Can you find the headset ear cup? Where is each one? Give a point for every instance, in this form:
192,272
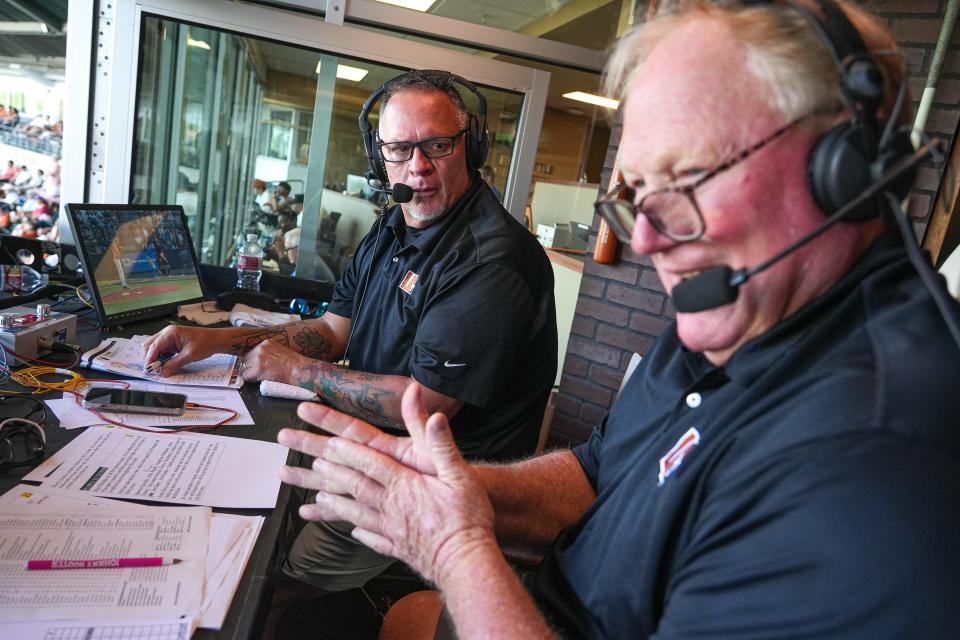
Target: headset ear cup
476,144
483,141
35,443
840,169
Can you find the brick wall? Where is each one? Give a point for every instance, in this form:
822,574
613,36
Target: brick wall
622,307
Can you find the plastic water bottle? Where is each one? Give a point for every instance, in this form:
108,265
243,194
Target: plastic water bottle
250,264
21,279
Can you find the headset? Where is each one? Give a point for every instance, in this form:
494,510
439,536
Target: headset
854,174
478,140
851,156
34,442
478,143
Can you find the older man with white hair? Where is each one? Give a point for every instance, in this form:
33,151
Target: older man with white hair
785,461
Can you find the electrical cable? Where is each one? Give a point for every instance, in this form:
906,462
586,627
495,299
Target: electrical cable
36,451
191,427
39,405
43,434
78,295
44,362
922,266
4,366
30,377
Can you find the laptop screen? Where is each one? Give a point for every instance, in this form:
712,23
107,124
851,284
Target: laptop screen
138,260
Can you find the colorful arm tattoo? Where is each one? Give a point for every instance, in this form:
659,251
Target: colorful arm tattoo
312,343
363,395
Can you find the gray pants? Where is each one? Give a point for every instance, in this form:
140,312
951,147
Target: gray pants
325,556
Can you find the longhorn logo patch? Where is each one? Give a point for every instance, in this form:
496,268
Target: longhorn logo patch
409,282
672,460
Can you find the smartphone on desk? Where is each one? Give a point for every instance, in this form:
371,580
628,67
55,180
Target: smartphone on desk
131,401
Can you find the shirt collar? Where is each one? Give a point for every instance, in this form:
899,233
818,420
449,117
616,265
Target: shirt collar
428,237
758,355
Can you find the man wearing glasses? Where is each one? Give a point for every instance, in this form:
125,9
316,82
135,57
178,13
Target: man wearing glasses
447,289
782,465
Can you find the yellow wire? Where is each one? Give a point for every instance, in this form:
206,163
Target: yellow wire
30,377
80,297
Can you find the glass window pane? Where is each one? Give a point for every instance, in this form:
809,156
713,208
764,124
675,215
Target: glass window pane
218,111
573,142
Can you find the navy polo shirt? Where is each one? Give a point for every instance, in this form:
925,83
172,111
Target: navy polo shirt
809,488
466,307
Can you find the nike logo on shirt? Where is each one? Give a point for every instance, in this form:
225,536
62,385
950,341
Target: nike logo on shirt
454,364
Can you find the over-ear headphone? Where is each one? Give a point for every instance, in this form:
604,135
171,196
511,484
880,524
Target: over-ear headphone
477,139
34,444
852,155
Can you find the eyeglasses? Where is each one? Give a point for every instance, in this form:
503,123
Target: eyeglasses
672,210
438,147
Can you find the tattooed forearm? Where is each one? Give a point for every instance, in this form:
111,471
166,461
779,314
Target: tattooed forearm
312,343
248,341
364,395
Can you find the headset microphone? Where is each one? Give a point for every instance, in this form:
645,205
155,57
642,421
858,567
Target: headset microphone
400,192
720,285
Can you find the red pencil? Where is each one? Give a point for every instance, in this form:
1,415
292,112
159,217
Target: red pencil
107,563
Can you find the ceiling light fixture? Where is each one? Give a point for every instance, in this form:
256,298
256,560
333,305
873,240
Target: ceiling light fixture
23,27
416,5
346,72
589,98
199,44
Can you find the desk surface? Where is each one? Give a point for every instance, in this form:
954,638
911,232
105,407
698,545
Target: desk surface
250,605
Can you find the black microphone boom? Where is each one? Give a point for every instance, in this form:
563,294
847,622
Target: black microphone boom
720,285
707,290
399,192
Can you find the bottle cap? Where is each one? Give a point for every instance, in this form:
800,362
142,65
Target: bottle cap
252,237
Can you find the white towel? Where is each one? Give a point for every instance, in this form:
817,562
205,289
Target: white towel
243,316
282,390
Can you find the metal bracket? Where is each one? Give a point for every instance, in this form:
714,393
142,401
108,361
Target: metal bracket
106,14
335,11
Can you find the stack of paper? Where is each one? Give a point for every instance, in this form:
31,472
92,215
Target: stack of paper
231,541
124,357
85,532
97,628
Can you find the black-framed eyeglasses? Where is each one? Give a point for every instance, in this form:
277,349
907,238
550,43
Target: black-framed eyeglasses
672,210
438,147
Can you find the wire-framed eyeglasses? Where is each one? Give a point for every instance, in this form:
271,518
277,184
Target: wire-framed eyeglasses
672,210
438,147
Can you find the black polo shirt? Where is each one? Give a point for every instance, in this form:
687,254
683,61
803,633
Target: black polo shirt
810,488
466,307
